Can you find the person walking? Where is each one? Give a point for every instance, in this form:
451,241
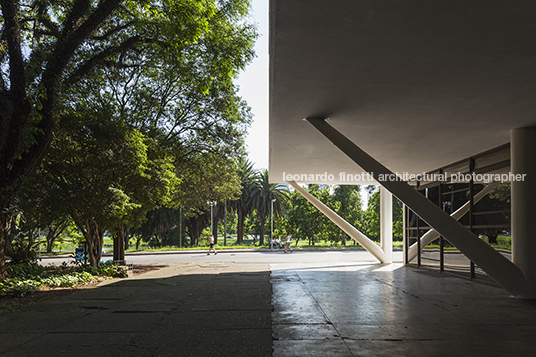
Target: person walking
212,246
288,240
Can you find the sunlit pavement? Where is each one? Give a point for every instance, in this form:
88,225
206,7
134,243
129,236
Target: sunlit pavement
369,309
240,256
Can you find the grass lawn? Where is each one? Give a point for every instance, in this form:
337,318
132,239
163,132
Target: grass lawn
69,246
504,242
248,243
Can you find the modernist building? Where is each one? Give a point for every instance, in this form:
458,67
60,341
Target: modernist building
408,87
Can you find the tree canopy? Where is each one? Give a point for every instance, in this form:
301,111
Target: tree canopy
161,72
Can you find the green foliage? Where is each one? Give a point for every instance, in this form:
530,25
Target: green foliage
304,221
504,242
501,192
28,278
138,98
18,287
72,279
23,252
25,271
266,196
109,270
371,217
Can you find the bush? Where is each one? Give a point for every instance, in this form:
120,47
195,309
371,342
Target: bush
504,241
24,271
114,271
21,253
106,270
28,278
69,280
18,287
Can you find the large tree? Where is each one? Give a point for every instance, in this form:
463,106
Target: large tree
104,175
350,205
49,46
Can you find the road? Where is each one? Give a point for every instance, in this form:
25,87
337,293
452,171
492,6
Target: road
244,257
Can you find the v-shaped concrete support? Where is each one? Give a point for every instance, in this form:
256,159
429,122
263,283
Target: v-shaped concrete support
432,234
353,232
503,271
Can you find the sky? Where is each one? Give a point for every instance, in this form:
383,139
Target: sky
253,84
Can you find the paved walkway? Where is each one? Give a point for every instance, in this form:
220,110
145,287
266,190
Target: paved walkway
212,309
221,308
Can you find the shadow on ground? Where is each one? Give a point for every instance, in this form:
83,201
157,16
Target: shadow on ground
208,309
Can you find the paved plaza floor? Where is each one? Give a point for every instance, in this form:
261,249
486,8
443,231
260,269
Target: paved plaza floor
294,306
364,309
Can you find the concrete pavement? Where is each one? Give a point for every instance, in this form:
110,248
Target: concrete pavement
314,305
211,309
368,309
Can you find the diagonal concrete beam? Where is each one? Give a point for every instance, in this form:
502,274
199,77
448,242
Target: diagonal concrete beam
432,234
498,267
353,232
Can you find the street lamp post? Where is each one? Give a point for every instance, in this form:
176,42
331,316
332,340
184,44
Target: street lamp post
272,224
180,227
211,218
225,222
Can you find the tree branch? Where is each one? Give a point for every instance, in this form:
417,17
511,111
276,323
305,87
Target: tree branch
79,10
16,62
51,80
69,42
101,58
112,32
49,25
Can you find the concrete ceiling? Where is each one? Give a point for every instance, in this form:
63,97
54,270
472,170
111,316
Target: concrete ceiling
417,84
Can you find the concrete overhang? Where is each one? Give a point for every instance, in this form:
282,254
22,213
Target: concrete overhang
417,84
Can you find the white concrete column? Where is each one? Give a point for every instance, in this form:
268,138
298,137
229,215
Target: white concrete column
386,224
523,162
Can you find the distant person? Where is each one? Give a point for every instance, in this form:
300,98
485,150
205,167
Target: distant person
278,243
288,241
212,246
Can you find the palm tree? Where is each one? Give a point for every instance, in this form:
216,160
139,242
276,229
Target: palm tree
158,225
242,206
262,195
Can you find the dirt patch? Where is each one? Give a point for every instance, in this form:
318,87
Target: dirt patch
142,269
10,304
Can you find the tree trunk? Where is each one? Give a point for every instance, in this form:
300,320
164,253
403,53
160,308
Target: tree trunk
195,228
119,246
54,230
492,237
127,239
5,217
51,237
240,227
50,242
343,238
94,240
